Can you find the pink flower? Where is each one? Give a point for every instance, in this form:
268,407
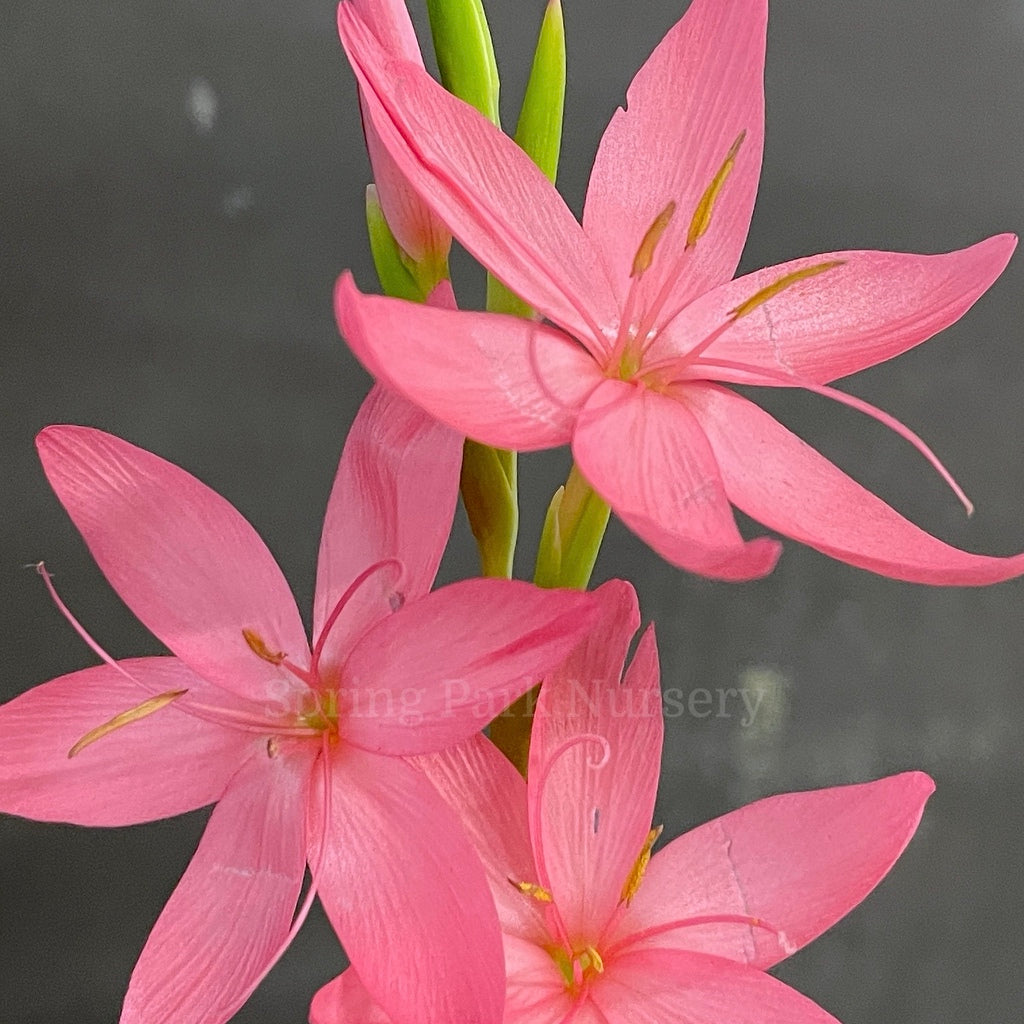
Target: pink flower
299,746
596,930
643,324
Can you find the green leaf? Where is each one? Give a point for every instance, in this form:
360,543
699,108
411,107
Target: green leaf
465,54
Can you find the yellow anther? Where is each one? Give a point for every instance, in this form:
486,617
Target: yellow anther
259,647
590,960
702,215
147,707
636,874
645,254
538,892
784,282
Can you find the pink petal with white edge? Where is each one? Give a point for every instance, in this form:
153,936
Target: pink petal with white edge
698,91
872,307
165,764
502,380
345,1001
441,668
489,797
393,498
230,914
782,482
492,196
406,894
647,456
796,862
595,757
181,557
658,986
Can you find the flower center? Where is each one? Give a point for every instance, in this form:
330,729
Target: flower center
322,714
578,967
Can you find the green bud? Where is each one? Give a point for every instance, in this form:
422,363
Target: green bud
539,131
489,494
465,54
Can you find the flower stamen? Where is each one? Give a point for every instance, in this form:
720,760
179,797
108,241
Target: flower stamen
636,873
702,214
143,710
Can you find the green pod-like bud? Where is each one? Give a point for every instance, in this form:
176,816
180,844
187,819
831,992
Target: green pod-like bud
539,131
465,54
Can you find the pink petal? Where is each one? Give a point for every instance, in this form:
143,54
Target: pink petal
441,668
647,456
871,308
700,88
492,196
535,989
393,498
232,910
417,229
660,986
345,1001
502,380
165,764
489,797
595,757
406,894
797,862
784,483
181,557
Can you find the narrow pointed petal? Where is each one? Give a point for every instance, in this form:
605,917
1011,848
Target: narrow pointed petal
345,1001
874,306
441,668
489,797
232,910
393,498
784,483
797,862
492,196
501,380
181,557
647,456
698,91
417,229
595,757
406,894
660,986
159,766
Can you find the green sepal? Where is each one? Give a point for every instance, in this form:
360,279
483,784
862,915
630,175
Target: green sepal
394,268
465,54
489,493
539,131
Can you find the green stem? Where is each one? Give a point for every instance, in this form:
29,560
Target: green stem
569,545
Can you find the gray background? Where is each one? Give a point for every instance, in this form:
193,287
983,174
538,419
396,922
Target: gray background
167,270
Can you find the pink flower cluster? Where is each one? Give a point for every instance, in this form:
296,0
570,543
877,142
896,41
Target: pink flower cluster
462,892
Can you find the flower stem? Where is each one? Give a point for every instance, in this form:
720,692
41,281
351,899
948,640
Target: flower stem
572,536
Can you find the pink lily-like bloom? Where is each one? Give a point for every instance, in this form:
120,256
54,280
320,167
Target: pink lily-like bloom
642,322
302,747
598,931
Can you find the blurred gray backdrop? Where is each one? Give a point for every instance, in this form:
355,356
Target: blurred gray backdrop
181,183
